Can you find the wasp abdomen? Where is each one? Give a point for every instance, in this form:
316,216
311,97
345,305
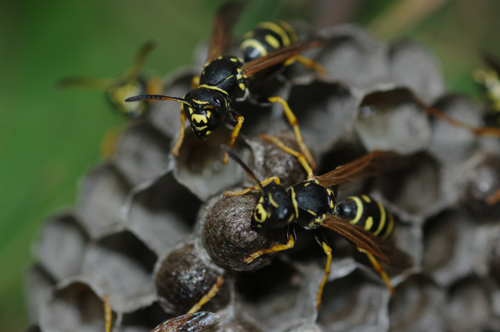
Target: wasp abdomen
267,37
365,212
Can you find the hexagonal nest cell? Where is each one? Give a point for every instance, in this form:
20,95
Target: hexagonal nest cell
154,233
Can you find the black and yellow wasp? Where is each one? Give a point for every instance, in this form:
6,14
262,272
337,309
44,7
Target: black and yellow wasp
489,81
312,204
131,83
224,78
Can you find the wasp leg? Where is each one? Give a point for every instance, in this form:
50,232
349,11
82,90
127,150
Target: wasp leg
493,198
285,148
479,131
381,271
108,313
320,238
110,141
308,63
207,297
293,121
180,139
256,187
234,135
280,247
195,82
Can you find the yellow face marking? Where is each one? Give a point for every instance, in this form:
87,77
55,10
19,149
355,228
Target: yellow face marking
242,86
200,128
294,202
199,102
260,213
190,109
252,43
312,212
198,118
272,41
261,200
359,212
208,132
209,114
382,218
369,223
366,198
271,200
277,30
213,88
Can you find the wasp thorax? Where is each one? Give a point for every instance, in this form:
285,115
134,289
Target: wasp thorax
274,209
206,110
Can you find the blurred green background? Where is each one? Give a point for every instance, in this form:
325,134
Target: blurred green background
50,138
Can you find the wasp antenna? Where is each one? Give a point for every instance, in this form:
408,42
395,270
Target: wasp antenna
156,97
243,165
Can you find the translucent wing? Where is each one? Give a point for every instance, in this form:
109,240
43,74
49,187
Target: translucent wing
368,242
223,26
136,66
278,56
367,166
196,322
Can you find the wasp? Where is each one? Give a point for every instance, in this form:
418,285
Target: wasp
490,83
131,83
312,204
224,79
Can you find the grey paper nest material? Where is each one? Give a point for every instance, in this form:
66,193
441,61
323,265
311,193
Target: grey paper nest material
153,232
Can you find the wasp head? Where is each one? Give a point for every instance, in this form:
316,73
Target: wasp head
205,109
274,209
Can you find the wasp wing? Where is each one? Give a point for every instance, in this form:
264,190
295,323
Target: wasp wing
196,322
278,56
223,26
136,66
368,242
367,166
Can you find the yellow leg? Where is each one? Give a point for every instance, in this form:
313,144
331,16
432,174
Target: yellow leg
493,198
211,293
110,141
285,148
328,252
108,313
234,135
256,187
178,144
311,64
195,82
380,269
276,248
293,121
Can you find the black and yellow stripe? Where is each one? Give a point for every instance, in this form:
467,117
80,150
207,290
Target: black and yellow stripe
267,37
369,214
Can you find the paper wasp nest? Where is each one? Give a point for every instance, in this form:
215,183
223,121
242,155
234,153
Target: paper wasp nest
152,232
